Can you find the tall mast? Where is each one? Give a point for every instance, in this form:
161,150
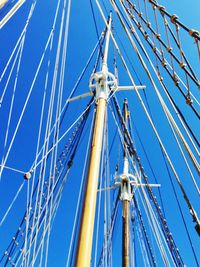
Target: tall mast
125,197
100,81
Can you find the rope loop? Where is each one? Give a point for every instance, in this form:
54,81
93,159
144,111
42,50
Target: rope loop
146,36
169,49
182,65
140,14
194,33
148,24
174,18
164,63
175,78
161,9
188,99
157,35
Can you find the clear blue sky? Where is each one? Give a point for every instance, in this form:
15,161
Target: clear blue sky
82,39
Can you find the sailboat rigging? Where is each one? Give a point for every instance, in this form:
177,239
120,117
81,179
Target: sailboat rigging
97,169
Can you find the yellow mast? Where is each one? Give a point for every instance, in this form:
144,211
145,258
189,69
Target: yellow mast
83,254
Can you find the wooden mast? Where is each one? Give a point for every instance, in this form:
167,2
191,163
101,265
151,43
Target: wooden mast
84,249
126,202
126,235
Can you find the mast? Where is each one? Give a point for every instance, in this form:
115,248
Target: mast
125,197
84,249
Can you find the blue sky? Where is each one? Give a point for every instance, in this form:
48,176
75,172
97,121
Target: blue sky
82,39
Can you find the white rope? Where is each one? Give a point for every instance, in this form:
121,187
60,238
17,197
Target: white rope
109,233
105,225
79,195
140,99
164,106
13,98
58,197
10,74
11,12
47,44
61,138
42,115
158,235
33,229
184,157
14,169
25,105
108,183
19,39
75,122
98,217
55,208
42,170
133,237
11,204
153,219
102,169
61,88
179,78
66,102
50,116
142,245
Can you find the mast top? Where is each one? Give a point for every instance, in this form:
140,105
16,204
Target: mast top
105,56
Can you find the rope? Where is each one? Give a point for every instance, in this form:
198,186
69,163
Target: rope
181,212
145,256
166,110
58,112
136,157
44,99
11,204
174,19
79,198
43,165
156,232
25,105
12,100
167,26
174,76
96,28
154,227
65,107
151,168
13,169
10,73
102,170
110,229
191,209
71,149
20,38
168,48
144,232
61,138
